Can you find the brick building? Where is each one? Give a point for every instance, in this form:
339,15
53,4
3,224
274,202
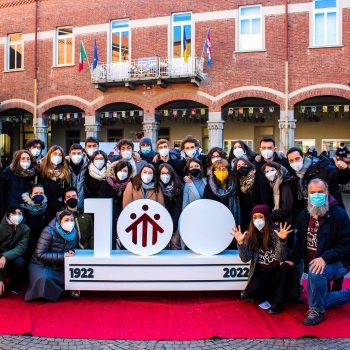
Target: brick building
272,61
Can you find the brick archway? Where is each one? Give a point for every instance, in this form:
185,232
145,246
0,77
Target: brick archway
62,102
23,105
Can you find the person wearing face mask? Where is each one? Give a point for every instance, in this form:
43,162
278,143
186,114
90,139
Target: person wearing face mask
216,153
34,211
117,179
14,235
253,189
91,146
36,147
144,186
83,222
46,269
221,188
95,174
172,191
78,163
165,155
55,176
240,149
194,189
146,152
323,242
265,247
20,175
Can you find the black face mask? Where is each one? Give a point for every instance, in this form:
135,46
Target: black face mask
195,172
72,202
243,170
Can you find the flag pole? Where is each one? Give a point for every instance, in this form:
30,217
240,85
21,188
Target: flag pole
87,57
206,36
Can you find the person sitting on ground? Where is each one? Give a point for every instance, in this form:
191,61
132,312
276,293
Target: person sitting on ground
14,235
83,221
36,148
46,270
323,242
265,247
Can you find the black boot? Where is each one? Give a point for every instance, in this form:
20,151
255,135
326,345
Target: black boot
276,308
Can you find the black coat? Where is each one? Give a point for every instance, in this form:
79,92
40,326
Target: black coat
174,159
182,163
277,159
92,186
333,237
259,193
285,211
174,207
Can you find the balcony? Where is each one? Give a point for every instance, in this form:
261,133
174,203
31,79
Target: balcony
148,70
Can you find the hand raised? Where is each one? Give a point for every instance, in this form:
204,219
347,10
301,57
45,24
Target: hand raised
340,164
238,235
284,231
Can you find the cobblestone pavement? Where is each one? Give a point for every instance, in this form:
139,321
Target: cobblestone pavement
8,342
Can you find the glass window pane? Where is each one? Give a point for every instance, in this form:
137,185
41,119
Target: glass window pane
12,57
256,26
177,41
60,51
331,28
321,4
245,26
250,11
15,37
19,56
182,17
125,46
319,29
115,47
69,51
120,24
65,31
188,39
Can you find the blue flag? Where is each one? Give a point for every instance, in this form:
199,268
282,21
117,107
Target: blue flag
94,65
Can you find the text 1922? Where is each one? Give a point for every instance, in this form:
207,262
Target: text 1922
81,273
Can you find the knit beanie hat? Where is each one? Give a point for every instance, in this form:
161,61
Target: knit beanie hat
12,207
146,141
262,209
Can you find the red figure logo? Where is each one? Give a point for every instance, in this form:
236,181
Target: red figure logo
144,219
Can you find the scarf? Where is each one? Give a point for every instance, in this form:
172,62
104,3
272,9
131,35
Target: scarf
275,184
230,193
32,207
198,153
301,173
97,173
55,175
168,189
246,182
149,156
146,187
24,173
117,185
68,236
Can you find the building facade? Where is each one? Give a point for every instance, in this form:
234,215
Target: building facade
274,64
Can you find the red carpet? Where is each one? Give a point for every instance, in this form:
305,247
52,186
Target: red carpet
163,316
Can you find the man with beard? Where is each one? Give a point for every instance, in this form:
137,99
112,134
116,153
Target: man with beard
323,242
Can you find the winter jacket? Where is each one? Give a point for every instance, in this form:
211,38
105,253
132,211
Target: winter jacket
147,157
13,241
92,186
190,193
174,159
182,163
138,165
174,207
279,248
259,193
277,158
14,186
52,247
285,211
130,195
77,180
333,236
342,152
2,193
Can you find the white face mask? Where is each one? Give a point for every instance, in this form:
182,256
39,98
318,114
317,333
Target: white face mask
56,160
164,152
76,158
126,155
213,160
238,152
146,178
35,152
191,153
99,163
16,219
297,165
259,224
122,175
68,226
267,153
91,151
25,165
271,174
165,178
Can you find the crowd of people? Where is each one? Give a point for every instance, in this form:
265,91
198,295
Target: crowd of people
288,209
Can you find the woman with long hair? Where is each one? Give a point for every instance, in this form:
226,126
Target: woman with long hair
54,175
240,149
265,247
214,154
172,191
20,175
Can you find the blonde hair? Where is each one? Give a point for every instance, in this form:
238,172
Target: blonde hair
161,141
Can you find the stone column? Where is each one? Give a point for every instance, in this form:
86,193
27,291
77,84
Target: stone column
216,130
42,131
150,128
291,128
92,126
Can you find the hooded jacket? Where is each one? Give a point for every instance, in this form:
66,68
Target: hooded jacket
277,158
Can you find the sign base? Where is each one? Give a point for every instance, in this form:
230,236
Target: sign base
169,270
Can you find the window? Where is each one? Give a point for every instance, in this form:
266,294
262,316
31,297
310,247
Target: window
72,136
15,51
120,41
164,133
182,27
114,135
64,46
325,22
304,144
250,28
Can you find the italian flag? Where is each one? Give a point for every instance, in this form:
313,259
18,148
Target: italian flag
81,57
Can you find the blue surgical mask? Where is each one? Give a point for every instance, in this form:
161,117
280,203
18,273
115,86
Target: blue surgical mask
146,150
318,199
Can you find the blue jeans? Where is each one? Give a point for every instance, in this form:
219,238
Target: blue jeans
317,285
